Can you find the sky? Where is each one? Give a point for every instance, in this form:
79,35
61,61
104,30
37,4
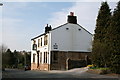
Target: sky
22,21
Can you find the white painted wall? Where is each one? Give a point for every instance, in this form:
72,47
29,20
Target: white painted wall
72,39
41,49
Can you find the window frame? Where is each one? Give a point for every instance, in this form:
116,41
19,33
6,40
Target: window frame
46,40
34,57
38,42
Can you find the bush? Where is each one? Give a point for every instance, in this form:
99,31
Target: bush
99,70
20,66
90,66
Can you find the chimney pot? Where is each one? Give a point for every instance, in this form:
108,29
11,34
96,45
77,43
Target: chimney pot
47,25
71,13
72,18
48,28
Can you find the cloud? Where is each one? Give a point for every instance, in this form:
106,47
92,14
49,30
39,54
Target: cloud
86,15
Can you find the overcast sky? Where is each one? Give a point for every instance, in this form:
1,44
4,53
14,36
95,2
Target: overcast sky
22,21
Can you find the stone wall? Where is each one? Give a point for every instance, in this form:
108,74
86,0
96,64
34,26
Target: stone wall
33,66
61,62
40,67
63,57
44,67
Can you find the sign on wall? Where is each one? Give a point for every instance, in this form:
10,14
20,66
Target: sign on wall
55,46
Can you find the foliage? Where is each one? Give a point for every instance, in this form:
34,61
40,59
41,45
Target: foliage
100,70
90,66
114,39
106,44
15,59
20,66
100,51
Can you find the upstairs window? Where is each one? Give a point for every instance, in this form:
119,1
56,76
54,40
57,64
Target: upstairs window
41,42
45,40
38,42
34,46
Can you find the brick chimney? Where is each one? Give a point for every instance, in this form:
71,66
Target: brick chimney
72,18
48,28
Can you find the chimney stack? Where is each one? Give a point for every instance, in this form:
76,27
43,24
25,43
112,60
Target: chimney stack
71,13
72,18
48,28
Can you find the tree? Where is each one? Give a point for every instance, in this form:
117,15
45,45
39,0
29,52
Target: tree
16,58
99,55
114,39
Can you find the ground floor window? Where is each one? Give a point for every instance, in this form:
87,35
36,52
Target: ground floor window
33,58
41,57
55,56
45,57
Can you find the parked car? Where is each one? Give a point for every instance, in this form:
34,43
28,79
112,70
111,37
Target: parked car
27,67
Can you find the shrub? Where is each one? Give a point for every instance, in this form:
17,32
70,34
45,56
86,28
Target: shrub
90,66
20,66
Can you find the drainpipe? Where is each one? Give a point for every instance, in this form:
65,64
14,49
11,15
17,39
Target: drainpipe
49,52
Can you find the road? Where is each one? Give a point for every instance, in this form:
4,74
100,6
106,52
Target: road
73,73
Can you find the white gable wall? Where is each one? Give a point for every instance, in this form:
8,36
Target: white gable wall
62,38
81,39
72,39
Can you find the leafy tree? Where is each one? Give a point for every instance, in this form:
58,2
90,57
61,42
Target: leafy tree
28,58
16,58
99,55
9,58
114,39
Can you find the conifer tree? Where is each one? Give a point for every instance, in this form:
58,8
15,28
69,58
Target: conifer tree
99,54
114,40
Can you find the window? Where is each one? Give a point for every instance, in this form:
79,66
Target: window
79,29
45,40
55,57
33,58
45,57
38,42
41,41
34,47
67,28
41,57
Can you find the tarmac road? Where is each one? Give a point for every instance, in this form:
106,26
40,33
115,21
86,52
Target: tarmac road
78,73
